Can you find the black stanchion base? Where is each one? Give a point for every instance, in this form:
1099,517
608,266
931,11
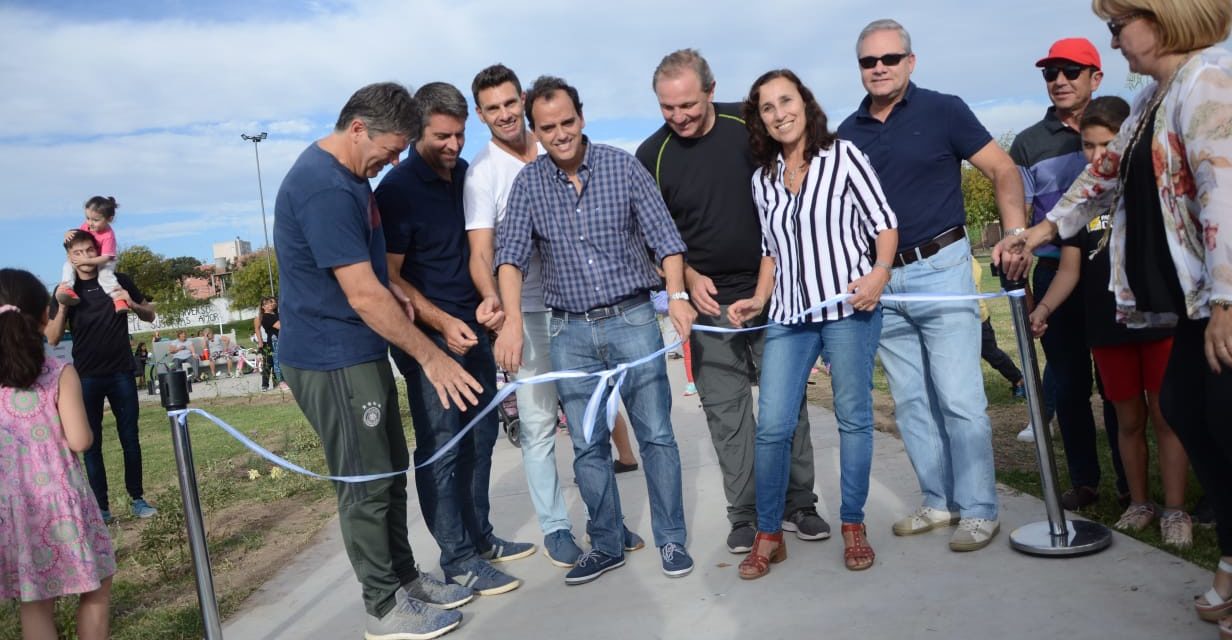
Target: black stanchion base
1084,537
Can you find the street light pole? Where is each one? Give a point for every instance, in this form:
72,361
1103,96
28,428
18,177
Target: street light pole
269,260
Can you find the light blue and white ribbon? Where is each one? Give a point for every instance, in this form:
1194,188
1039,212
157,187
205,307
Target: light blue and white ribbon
611,377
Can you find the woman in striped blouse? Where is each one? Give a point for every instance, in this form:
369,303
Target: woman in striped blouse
826,230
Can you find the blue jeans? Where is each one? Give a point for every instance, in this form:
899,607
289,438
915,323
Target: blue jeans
931,355
453,491
537,417
597,345
849,345
120,390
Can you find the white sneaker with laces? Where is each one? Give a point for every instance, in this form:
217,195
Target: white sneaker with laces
973,534
924,519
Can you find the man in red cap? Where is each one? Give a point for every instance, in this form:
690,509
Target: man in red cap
1049,156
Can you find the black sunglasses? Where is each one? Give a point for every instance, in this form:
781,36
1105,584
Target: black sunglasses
889,60
1071,71
1116,24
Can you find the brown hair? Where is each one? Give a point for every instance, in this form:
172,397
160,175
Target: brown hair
766,149
21,331
1105,111
105,205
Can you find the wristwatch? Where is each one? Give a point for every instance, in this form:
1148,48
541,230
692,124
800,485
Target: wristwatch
1016,231
679,295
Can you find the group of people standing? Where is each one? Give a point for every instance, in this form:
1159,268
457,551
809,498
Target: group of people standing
554,242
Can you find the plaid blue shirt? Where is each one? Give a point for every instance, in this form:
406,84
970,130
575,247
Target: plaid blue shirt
594,244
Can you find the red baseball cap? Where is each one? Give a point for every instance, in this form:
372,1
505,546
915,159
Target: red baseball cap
1079,50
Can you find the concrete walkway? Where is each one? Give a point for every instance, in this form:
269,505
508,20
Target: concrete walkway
917,589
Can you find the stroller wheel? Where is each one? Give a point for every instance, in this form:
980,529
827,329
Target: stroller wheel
512,431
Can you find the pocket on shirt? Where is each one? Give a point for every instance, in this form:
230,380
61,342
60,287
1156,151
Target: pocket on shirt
639,316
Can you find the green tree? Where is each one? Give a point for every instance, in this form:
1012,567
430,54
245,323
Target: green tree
158,279
183,266
250,282
979,198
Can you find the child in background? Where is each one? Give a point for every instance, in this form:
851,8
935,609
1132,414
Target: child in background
989,351
1130,362
100,212
52,538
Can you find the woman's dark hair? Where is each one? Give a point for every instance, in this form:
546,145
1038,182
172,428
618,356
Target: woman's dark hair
21,331
766,149
104,205
1105,111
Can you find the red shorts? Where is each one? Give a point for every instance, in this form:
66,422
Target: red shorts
1129,369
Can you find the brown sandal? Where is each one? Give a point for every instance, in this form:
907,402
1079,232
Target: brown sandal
757,563
857,554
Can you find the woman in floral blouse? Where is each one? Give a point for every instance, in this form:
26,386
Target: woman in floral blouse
1167,178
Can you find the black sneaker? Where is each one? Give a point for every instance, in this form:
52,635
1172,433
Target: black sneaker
1078,498
591,565
620,467
740,540
807,524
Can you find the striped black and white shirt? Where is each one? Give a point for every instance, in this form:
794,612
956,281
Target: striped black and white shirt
823,237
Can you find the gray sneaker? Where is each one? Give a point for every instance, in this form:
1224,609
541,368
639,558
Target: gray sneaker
807,524
411,619
740,540
477,574
428,589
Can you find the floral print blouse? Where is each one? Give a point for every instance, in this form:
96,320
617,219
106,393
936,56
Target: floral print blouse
1192,152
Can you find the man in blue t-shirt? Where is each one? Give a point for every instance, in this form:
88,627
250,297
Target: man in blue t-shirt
338,311
917,139
428,255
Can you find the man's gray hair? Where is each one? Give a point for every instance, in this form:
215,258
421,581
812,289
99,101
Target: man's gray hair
384,107
439,98
677,61
885,24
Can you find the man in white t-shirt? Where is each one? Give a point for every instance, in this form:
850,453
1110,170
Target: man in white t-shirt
499,102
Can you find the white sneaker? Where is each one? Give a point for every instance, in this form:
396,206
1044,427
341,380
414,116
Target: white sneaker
1027,434
973,534
924,519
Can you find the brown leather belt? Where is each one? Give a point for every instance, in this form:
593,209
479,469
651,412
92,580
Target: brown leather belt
930,248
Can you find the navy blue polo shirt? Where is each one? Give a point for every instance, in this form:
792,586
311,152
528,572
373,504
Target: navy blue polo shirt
918,153
324,217
423,220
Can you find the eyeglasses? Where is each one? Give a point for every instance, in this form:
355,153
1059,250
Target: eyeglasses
1116,24
889,60
1071,71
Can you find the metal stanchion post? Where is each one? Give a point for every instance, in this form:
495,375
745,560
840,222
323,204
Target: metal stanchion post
173,388
1058,536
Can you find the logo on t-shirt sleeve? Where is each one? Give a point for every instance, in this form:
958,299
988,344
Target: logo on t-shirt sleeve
374,213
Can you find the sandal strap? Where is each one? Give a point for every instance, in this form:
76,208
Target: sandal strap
1212,597
1225,566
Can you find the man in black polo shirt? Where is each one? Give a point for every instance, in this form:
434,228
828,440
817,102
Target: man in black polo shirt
701,163
422,216
102,359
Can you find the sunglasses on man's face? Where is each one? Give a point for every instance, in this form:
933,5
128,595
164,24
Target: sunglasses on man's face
1071,71
1115,25
889,60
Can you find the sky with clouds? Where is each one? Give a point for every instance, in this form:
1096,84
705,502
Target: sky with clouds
146,99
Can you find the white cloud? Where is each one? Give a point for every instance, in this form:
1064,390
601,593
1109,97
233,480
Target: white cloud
151,110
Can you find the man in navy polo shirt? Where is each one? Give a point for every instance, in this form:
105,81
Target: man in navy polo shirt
917,139
1049,156
337,313
426,247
